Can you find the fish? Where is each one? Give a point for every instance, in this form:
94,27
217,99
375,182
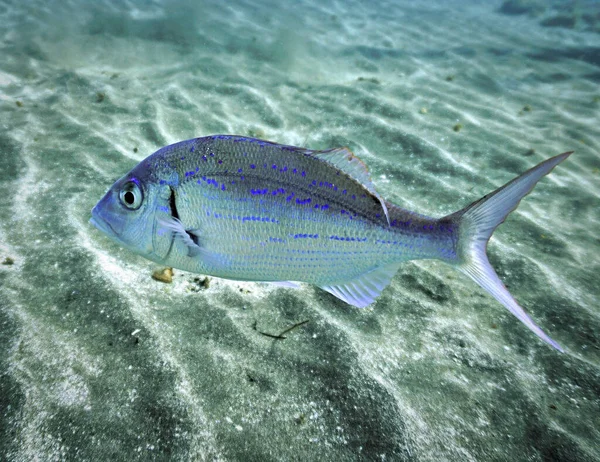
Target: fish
247,209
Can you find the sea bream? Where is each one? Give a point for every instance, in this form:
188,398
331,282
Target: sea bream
247,209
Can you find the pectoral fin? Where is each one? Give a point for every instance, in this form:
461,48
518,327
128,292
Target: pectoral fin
192,240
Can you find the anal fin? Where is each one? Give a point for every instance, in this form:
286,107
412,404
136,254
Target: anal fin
364,289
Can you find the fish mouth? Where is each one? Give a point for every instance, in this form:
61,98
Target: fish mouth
102,224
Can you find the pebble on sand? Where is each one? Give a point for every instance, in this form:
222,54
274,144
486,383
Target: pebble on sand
163,275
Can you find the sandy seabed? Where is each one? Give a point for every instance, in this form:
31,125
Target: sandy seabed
444,102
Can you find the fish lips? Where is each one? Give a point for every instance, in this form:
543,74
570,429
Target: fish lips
105,219
102,224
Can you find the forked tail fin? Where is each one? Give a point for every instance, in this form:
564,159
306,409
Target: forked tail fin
478,221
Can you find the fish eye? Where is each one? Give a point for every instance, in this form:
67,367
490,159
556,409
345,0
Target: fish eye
131,195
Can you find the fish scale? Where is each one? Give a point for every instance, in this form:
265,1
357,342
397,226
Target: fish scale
290,217
249,209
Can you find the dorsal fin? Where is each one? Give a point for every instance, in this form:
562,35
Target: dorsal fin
347,162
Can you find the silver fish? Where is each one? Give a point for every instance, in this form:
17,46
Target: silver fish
247,209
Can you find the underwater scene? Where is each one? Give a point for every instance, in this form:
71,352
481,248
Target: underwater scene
108,355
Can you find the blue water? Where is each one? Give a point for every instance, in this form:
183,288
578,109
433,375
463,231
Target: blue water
444,101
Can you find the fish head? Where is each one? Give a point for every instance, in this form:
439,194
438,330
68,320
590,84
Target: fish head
127,213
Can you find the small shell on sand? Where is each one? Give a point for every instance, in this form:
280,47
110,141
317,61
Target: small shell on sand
163,275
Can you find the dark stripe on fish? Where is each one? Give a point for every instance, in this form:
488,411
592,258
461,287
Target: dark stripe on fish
175,215
172,204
